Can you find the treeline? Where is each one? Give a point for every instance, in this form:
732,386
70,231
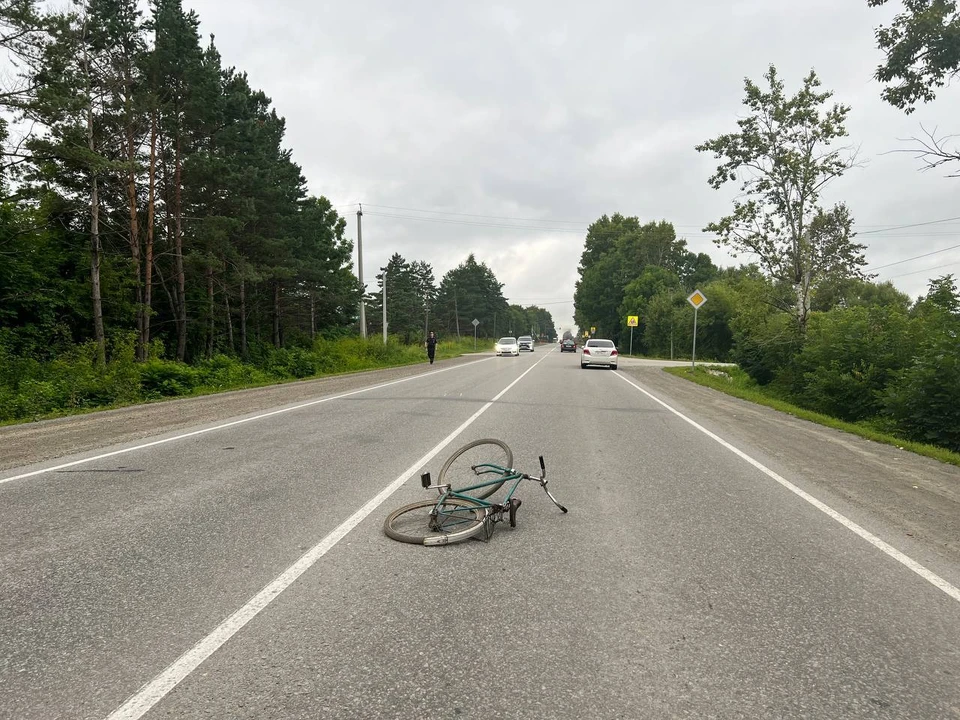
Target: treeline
146,190
468,292
867,352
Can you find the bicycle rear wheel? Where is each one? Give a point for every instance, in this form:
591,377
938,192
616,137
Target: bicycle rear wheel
458,472
455,520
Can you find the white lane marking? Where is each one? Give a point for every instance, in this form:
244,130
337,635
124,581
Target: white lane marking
155,690
232,423
909,562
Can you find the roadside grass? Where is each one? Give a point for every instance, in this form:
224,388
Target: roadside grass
734,381
72,384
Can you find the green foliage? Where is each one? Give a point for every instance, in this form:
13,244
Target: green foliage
852,292
73,381
922,48
766,352
925,400
190,171
624,265
848,358
164,378
471,290
942,299
764,338
409,292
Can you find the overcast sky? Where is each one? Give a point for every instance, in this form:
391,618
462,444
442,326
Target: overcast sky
473,114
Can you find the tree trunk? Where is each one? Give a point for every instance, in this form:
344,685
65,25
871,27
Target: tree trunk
210,312
168,226
802,290
148,261
243,318
277,340
178,251
134,242
130,150
95,248
95,256
229,318
166,289
313,316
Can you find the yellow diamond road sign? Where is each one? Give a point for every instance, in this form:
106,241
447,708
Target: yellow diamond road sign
593,329
697,298
633,320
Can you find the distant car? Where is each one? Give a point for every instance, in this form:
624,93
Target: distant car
568,345
525,342
599,352
507,346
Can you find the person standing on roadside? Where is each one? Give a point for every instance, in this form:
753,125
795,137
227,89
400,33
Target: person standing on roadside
431,345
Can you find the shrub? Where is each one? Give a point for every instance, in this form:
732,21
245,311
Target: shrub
766,351
924,401
848,357
167,378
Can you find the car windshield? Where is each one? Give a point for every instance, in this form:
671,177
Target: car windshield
600,343
507,341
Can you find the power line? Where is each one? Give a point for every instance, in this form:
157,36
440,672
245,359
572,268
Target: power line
901,227
487,217
449,221
916,257
917,272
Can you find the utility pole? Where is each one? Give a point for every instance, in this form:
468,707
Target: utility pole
363,316
384,306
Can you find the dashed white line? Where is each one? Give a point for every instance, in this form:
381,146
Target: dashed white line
884,547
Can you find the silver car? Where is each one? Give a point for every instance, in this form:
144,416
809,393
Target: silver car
525,342
599,352
507,346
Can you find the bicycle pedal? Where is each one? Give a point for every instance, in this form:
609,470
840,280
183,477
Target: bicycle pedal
514,504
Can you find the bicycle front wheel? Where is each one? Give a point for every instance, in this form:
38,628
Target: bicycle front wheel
458,471
435,522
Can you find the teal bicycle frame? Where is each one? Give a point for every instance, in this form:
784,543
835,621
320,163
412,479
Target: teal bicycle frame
445,516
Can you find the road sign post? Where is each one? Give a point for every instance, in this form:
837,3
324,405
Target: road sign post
696,299
632,321
475,323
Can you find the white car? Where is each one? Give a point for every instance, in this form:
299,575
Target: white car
599,352
507,346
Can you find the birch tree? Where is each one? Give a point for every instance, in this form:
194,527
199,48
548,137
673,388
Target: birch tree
784,156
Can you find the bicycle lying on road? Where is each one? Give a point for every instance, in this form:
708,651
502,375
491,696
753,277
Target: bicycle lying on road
462,510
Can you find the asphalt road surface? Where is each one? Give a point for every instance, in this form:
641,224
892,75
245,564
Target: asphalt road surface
719,560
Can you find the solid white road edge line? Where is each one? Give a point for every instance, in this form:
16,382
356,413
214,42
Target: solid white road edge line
155,690
909,562
261,416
